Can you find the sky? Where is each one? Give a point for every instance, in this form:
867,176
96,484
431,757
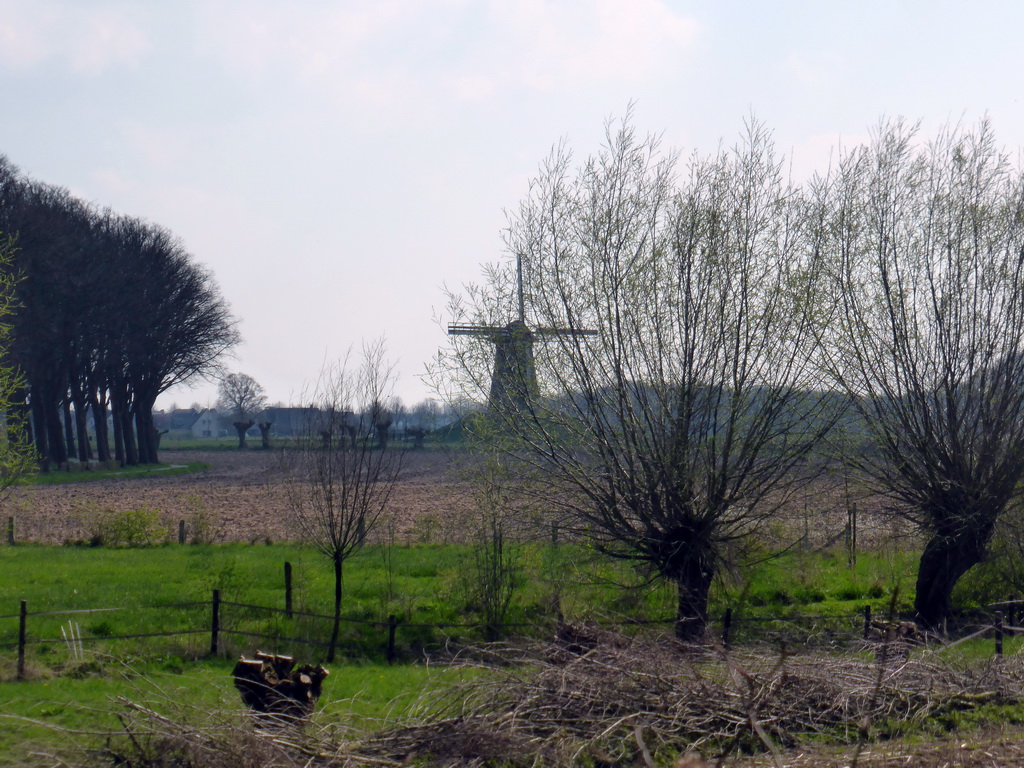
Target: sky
339,166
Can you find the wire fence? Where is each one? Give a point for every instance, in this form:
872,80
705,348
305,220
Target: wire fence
209,618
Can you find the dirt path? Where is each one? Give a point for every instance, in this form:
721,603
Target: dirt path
242,497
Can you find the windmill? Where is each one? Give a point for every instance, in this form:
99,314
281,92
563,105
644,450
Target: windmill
514,378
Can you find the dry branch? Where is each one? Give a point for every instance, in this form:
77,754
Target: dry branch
621,701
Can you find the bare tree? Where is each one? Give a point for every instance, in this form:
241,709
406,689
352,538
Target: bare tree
241,396
422,419
928,247
499,514
685,422
340,487
264,427
381,418
426,414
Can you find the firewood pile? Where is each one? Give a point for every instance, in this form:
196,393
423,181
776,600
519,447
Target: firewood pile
889,631
270,684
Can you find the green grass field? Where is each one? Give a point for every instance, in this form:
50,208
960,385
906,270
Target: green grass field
59,477
430,589
422,585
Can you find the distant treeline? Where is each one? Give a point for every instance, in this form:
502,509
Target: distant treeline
111,312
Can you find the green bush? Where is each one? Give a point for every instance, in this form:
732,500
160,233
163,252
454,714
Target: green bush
805,595
1001,575
780,597
127,528
201,524
850,592
777,596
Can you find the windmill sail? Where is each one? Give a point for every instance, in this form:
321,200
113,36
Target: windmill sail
514,376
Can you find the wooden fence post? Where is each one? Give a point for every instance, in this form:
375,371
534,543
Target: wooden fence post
392,626
215,622
10,530
288,589
181,531
867,621
22,620
726,625
999,634
851,528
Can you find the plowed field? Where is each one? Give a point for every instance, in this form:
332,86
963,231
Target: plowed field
242,497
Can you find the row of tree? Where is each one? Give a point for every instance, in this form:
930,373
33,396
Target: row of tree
243,401
738,322
111,312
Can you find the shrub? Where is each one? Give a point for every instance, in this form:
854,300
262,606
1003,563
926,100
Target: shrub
806,595
1000,576
202,524
876,590
849,592
127,528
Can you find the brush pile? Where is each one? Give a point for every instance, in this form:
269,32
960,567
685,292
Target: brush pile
626,701
621,701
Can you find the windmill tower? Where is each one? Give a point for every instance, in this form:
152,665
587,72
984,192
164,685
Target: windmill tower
514,378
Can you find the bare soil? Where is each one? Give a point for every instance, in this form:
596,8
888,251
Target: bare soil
242,497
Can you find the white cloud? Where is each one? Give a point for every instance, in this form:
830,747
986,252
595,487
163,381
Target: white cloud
812,68
89,39
578,43
400,57
103,39
157,146
473,87
22,42
303,40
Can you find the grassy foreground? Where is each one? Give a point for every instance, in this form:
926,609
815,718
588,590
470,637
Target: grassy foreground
422,585
47,713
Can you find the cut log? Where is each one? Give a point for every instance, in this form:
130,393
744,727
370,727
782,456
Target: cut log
271,685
